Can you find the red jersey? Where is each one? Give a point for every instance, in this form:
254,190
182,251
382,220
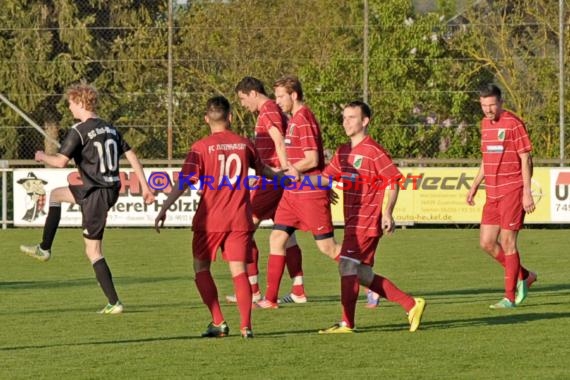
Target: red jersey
501,143
221,162
303,134
368,168
270,115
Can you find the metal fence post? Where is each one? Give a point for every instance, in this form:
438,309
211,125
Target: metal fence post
365,54
561,78
4,165
170,82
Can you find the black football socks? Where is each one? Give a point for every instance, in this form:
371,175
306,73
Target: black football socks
105,279
50,228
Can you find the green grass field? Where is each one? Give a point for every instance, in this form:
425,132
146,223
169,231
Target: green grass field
49,328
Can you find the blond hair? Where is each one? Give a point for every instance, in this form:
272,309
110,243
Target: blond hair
84,94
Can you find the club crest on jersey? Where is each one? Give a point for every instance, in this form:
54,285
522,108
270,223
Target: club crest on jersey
501,134
357,161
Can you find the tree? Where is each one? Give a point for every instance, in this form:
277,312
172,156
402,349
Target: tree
515,44
223,41
48,45
423,69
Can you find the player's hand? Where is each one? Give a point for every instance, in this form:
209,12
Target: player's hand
388,224
292,172
470,199
148,196
284,178
159,221
39,157
528,202
333,197
251,183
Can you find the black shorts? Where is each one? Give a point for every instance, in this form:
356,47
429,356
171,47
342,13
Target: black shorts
95,204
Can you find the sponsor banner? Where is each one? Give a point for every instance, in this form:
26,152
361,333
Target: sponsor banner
560,194
439,196
430,195
542,194
33,186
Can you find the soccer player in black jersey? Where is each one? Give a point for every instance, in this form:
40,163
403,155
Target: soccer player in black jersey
95,146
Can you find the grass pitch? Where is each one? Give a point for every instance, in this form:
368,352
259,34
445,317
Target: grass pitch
49,328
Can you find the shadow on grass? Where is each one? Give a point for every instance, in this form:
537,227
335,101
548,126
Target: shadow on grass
539,288
455,294
505,319
79,282
134,309
437,325
117,341
401,327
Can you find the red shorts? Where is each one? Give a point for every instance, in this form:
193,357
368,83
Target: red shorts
305,214
264,200
360,248
506,211
235,246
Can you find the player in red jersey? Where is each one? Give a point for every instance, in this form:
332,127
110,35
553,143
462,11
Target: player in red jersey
270,144
365,172
304,207
96,147
224,217
507,170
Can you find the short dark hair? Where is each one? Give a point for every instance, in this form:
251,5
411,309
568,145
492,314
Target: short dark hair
249,84
489,90
364,108
218,108
291,84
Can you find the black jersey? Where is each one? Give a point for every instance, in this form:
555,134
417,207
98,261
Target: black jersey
96,147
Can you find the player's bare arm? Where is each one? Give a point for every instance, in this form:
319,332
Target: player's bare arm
293,172
57,161
475,186
310,161
269,173
131,156
314,179
279,142
317,180
526,170
176,192
388,224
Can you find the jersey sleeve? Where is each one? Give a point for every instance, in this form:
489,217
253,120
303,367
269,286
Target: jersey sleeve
255,161
193,164
274,120
71,143
307,137
521,139
125,147
333,169
384,166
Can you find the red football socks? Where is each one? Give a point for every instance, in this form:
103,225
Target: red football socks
348,296
275,268
523,272
294,260
209,293
252,268
512,268
243,296
388,290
